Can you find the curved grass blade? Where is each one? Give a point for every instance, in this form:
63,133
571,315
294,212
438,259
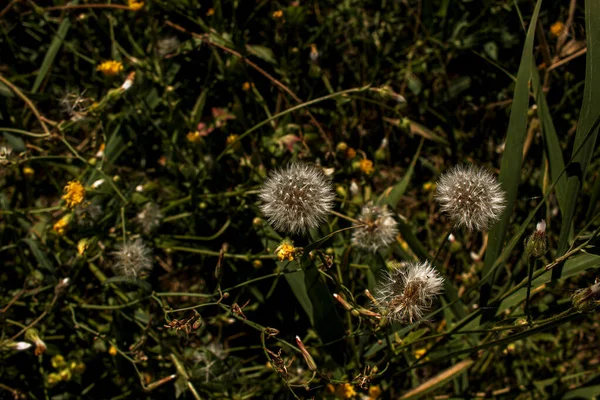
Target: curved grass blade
587,121
551,143
510,168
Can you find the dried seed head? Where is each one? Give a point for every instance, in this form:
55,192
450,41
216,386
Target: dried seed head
132,259
296,198
471,196
376,228
407,292
149,218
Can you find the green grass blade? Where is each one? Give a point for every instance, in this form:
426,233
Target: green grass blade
587,121
510,168
551,143
40,256
57,42
392,195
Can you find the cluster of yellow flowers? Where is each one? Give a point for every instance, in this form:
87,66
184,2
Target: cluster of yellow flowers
65,370
110,68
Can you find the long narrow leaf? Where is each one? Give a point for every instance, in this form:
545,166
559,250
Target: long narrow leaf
510,168
587,120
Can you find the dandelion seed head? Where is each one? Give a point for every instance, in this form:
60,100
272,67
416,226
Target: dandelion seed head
407,292
471,197
376,228
149,218
296,198
132,259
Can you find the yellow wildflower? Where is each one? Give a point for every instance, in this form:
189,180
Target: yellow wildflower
286,252
557,28
210,12
65,374
111,67
112,351
74,193
28,171
82,246
58,361
60,227
366,166
345,391
278,14
194,137
420,353
135,4
232,139
350,153
374,392
428,186
246,86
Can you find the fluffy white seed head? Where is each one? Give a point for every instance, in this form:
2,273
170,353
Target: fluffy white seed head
407,292
133,258
296,198
376,228
471,196
149,218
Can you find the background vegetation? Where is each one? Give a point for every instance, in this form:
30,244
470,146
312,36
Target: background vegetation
211,97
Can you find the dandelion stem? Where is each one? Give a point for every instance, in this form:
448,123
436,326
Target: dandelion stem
337,214
532,265
123,225
439,249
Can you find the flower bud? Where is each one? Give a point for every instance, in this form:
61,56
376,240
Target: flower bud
536,245
586,299
18,346
307,357
32,335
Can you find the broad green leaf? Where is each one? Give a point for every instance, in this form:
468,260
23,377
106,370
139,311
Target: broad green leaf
262,52
327,322
510,168
587,124
298,286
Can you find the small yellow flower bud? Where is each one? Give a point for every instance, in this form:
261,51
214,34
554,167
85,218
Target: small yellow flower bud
112,351
58,361
53,379
366,166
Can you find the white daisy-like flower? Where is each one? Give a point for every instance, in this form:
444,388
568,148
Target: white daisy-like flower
132,259
407,292
471,197
296,198
375,229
